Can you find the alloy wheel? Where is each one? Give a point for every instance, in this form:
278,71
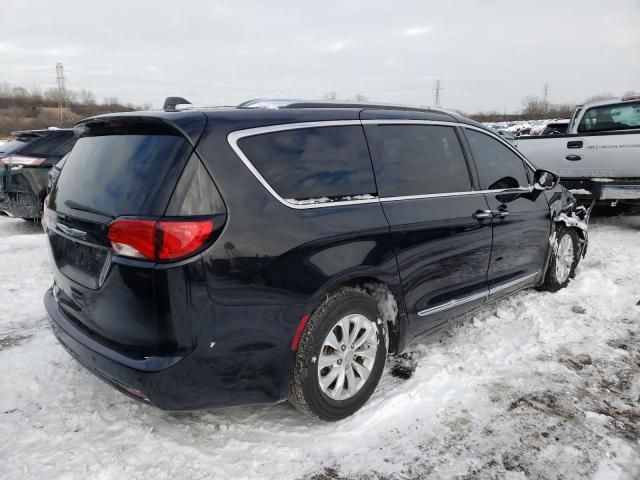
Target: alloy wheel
347,356
564,258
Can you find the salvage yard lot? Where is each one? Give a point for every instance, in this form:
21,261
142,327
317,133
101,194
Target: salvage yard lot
539,385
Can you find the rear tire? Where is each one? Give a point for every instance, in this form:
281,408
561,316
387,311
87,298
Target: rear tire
564,259
352,364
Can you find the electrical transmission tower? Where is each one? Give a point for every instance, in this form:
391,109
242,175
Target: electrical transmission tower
547,89
63,99
545,97
437,88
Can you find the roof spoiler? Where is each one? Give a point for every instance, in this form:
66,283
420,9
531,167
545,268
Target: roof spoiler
30,133
170,103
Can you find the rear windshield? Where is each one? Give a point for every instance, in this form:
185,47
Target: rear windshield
314,162
611,117
10,147
122,174
55,144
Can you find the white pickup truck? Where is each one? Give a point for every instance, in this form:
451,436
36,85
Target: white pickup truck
599,157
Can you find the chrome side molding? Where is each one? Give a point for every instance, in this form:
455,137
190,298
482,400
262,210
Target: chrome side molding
512,283
461,301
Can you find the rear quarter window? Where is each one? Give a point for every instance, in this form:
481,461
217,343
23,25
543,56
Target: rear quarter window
315,162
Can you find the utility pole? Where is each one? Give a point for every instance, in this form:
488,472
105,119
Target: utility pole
437,88
63,100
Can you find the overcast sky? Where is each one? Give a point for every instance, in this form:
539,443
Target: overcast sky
488,54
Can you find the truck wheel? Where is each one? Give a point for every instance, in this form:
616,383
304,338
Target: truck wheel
564,259
340,357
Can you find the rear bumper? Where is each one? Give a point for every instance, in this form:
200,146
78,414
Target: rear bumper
604,189
198,380
20,207
620,191
22,191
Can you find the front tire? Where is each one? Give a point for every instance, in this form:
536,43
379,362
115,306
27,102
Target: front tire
564,259
340,356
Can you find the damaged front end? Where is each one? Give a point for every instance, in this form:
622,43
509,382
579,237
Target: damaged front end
565,210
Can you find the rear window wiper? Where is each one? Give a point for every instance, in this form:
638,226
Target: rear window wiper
84,208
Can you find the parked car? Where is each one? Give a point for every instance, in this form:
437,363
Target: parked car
598,157
555,127
282,250
24,165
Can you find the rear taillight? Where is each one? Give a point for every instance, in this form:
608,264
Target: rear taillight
22,160
159,239
179,238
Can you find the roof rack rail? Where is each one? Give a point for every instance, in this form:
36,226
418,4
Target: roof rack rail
295,103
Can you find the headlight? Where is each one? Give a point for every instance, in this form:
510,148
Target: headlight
22,160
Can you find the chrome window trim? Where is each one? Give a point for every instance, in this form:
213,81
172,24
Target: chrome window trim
234,137
477,296
456,194
400,121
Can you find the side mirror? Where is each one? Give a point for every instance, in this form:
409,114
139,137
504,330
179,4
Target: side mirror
545,180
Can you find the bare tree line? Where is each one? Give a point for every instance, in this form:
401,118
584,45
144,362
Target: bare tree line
533,107
33,108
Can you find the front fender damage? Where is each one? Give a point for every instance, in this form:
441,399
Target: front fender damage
577,217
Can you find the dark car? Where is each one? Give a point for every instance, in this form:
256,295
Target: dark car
557,127
24,165
215,257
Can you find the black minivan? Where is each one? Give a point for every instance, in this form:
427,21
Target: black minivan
280,251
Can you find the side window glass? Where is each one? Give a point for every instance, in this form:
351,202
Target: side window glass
317,162
498,167
417,160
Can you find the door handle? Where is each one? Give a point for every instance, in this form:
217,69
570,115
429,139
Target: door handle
481,214
500,213
574,144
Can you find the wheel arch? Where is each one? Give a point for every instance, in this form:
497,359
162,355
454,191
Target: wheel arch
398,329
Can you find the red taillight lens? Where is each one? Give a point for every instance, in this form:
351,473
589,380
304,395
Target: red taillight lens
158,239
179,238
134,238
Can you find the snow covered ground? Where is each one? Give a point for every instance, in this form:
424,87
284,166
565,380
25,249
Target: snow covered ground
540,385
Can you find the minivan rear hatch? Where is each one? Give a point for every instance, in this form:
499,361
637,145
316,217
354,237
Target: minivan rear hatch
119,167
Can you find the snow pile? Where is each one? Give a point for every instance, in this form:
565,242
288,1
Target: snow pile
387,305
347,198
538,385
580,191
